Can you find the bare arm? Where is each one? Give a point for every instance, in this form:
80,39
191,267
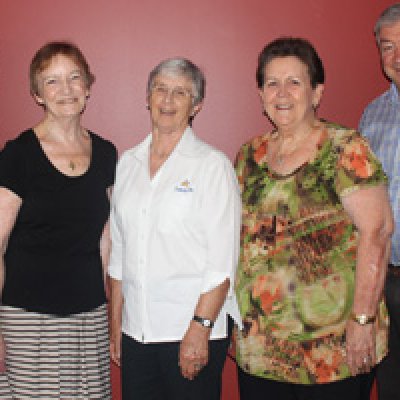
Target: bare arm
194,345
10,204
116,301
371,213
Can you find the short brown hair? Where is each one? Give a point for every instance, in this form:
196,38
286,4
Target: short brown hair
296,47
44,55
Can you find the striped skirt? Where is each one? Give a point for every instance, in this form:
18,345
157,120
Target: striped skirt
49,357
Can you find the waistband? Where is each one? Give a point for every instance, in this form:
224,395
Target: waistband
394,269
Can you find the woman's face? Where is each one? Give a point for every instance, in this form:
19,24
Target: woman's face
288,97
62,87
171,103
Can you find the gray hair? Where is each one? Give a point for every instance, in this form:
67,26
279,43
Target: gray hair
389,16
181,67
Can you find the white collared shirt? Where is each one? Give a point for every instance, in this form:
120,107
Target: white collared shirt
174,237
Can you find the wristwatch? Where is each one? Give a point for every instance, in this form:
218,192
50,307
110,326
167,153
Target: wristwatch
203,321
363,319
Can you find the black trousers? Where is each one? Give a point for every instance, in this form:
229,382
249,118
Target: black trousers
388,371
151,372
255,388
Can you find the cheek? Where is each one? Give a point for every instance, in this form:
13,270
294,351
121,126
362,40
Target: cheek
267,98
387,60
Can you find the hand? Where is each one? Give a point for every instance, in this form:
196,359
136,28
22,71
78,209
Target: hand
2,355
115,345
360,347
193,352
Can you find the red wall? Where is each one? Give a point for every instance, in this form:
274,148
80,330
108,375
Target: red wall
124,39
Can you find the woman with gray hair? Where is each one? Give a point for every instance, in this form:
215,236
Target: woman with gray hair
175,234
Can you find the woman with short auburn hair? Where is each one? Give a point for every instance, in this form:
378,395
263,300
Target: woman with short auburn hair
55,183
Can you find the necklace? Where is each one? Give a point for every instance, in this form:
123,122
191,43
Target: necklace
280,158
72,165
294,145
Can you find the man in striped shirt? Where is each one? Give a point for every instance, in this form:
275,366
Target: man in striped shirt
380,123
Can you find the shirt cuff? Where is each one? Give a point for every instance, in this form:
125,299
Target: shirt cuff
212,279
114,272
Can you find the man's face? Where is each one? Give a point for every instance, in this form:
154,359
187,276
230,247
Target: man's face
389,46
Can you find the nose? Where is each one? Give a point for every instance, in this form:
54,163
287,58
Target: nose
168,97
66,86
397,54
282,90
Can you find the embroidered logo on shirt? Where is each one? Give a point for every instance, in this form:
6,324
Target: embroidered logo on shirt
184,186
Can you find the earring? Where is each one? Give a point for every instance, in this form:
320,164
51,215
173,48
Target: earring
147,107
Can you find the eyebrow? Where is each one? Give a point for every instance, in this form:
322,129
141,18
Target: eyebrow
383,40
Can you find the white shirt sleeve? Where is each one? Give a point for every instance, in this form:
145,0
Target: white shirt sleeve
116,256
220,217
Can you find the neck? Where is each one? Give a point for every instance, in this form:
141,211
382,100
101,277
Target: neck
163,143
297,132
67,130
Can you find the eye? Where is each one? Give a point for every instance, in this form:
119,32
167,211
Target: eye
270,83
50,81
295,81
387,47
76,75
160,90
179,93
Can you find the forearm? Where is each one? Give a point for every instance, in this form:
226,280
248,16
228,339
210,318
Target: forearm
372,258
116,302
193,354
210,303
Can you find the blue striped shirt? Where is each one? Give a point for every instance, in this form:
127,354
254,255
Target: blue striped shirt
380,123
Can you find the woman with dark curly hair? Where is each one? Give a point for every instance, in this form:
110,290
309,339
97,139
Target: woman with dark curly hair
316,224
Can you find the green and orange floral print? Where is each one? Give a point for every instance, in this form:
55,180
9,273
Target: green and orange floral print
295,281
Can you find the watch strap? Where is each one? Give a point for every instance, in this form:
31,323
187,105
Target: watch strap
363,319
203,321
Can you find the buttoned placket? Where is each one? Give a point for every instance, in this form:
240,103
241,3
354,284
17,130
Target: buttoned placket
143,238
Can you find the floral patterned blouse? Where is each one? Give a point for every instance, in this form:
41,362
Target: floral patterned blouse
295,282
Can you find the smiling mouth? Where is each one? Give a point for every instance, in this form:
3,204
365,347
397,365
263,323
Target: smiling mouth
68,101
283,107
167,112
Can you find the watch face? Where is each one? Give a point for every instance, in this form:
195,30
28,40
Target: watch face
362,319
203,321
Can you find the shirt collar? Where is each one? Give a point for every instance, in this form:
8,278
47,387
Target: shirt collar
187,145
394,93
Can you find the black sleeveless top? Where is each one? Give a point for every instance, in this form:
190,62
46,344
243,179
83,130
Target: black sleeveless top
52,261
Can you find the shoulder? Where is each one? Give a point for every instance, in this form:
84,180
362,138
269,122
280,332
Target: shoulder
257,141
104,145
20,143
208,158
128,156
131,158
340,134
375,106
255,148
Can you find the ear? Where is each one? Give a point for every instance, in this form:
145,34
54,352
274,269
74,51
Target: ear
261,94
317,95
38,99
196,109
